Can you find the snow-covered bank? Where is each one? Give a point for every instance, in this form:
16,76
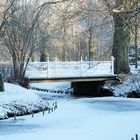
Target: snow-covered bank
128,87
55,85
19,101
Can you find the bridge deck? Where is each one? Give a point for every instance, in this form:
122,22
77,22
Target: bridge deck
74,79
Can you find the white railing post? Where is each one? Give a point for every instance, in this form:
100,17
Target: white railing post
48,67
112,65
55,67
81,60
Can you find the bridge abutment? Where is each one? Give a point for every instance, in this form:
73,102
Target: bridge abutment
89,88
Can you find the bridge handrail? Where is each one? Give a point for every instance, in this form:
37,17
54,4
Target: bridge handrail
51,67
68,64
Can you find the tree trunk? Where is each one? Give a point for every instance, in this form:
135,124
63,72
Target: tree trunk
136,43
120,43
90,54
1,84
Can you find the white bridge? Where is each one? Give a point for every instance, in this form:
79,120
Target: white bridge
69,70
86,77
66,70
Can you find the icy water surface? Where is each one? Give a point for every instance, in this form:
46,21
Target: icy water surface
105,104
15,126
113,104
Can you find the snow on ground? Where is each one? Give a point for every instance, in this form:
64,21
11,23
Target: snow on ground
130,84
18,100
54,86
135,70
57,86
106,118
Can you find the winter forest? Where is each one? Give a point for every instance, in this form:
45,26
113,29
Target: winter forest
89,38
69,30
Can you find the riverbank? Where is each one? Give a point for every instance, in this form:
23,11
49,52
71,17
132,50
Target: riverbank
16,100
127,86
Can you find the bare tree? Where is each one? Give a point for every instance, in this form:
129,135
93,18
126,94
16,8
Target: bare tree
20,33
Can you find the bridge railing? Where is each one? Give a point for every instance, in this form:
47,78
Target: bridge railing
70,68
